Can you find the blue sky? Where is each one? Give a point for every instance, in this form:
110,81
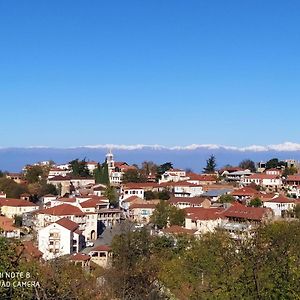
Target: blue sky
152,72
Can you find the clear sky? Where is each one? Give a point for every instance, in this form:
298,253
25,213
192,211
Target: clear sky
152,72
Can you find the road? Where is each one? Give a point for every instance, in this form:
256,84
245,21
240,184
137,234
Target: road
105,238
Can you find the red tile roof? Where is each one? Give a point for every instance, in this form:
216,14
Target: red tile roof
16,202
263,176
140,185
69,200
200,213
175,229
191,200
244,191
62,210
143,205
7,224
80,257
132,198
102,248
68,224
178,184
94,202
201,177
295,177
238,210
281,199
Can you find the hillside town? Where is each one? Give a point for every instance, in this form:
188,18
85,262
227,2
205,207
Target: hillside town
76,209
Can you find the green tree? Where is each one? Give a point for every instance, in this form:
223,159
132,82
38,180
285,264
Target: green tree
256,202
297,211
290,171
164,195
248,164
11,188
104,179
166,214
112,195
133,175
210,165
18,220
79,168
149,167
164,167
149,195
226,198
176,216
98,173
34,174
135,267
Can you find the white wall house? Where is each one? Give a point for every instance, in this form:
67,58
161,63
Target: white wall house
60,238
57,172
203,219
16,207
87,221
173,175
265,180
186,189
280,205
128,191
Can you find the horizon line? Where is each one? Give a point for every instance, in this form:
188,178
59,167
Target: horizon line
286,146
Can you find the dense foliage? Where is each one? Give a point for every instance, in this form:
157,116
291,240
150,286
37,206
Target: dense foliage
213,267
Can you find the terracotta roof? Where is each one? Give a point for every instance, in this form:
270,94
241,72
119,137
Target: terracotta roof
80,257
191,200
92,163
231,169
178,183
108,210
102,248
68,200
132,198
140,185
295,177
142,205
60,178
92,203
238,210
281,199
68,224
62,210
244,191
175,229
200,213
263,176
7,224
16,202
201,177
49,195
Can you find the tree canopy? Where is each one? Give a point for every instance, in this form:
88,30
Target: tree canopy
210,165
79,168
166,214
248,164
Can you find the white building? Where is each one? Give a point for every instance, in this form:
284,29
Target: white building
280,205
10,207
87,221
58,172
203,219
173,175
60,238
264,180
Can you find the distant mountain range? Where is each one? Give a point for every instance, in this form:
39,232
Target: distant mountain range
192,156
